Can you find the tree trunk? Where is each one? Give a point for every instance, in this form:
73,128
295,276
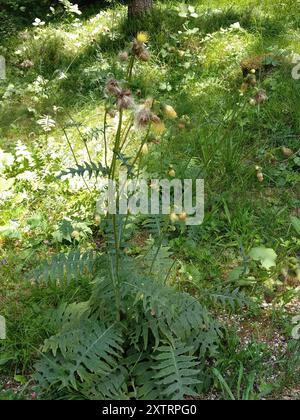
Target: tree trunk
139,7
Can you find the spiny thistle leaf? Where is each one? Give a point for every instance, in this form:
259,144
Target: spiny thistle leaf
176,371
89,168
78,353
66,267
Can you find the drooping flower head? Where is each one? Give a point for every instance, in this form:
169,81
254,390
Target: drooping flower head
112,87
125,100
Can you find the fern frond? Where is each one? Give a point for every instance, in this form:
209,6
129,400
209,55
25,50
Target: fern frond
176,371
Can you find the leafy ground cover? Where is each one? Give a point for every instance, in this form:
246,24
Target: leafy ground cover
227,70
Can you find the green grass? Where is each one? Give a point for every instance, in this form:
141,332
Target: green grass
223,138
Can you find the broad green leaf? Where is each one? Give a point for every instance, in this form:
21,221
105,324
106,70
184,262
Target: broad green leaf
266,256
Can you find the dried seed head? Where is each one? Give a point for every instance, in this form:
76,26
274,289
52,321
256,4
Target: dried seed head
112,87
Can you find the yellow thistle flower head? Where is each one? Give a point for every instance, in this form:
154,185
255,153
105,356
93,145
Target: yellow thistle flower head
145,149
142,37
158,127
174,218
169,112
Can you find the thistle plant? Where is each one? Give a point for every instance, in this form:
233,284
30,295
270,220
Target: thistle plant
136,336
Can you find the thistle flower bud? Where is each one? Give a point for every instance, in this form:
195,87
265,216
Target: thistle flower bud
287,152
174,218
158,127
169,112
171,173
144,55
182,216
260,176
145,149
123,56
97,219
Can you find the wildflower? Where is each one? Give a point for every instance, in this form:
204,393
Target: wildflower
27,64
158,127
112,87
125,100
287,152
123,56
38,22
252,102
253,71
145,149
173,217
169,112
261,96
142,37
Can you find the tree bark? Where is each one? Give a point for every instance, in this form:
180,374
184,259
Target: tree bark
137,8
